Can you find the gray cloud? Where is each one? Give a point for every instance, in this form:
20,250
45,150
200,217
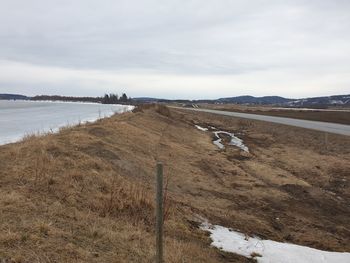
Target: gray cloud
292,48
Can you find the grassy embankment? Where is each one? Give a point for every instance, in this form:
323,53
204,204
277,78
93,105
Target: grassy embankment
86,194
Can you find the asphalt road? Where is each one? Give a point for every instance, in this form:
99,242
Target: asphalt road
314,125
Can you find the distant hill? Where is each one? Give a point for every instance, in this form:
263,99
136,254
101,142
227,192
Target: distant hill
255,100
340,100
316,102
148,99
237,100
313,102
13,97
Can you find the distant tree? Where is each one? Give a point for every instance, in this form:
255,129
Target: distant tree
67,98
124,98
105,99
113,98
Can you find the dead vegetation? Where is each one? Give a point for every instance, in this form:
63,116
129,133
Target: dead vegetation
86,194
336,116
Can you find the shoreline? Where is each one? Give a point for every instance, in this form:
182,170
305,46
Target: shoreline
42,128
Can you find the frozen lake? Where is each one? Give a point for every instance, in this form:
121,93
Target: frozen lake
20,118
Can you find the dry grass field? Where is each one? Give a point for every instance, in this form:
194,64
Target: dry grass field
86,194
336,115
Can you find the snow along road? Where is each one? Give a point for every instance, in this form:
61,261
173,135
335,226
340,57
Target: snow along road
314,125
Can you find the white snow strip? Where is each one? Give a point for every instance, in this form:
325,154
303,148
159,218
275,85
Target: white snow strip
238,142
218,143
235,141
268,251
201,128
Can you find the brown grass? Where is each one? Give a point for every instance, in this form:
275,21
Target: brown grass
339,116
86,194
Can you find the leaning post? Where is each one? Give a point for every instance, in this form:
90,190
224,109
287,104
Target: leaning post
159,214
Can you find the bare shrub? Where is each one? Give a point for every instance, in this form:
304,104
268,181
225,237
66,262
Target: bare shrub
143,107
130,200
159,108
163,110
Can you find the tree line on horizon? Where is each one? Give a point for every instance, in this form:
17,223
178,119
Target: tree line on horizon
106,99
113,98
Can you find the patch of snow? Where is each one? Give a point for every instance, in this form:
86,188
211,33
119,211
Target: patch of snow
336,102
201,128
235,141
239,143
268,251
218,142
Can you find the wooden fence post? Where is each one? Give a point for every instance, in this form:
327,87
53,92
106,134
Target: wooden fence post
159,214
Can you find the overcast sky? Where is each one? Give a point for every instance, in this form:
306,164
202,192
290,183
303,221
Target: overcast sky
175,48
